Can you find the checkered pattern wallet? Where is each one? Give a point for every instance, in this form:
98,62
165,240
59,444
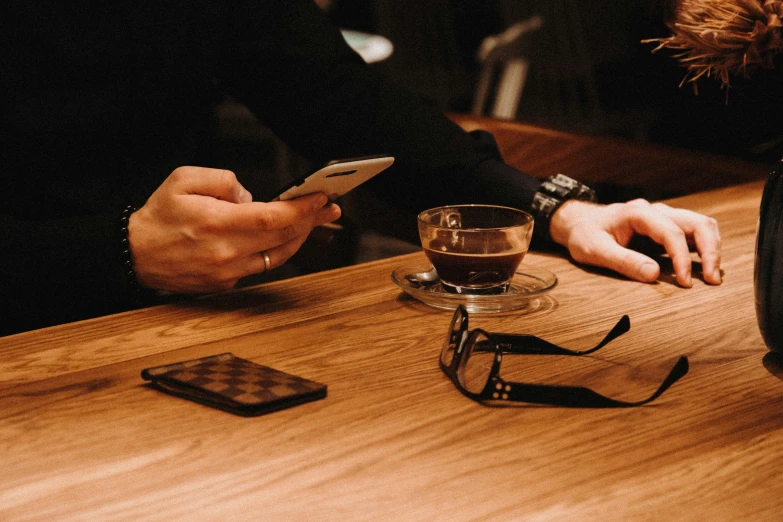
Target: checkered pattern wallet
234,384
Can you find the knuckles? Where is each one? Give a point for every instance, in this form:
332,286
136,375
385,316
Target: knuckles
288,233
265,220
179,174
221,255
213,221
639,203
635,208
227,181
583,252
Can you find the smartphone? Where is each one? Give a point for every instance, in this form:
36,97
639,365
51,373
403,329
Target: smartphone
337,177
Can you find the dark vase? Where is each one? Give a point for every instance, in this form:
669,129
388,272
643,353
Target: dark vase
768,271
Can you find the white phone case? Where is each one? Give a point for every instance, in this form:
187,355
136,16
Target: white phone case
338,177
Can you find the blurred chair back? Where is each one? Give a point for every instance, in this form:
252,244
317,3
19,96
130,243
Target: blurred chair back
504,54
546,56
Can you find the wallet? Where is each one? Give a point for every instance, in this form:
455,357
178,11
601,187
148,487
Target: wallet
233,384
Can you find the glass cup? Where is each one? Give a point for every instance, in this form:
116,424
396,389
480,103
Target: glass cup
476,249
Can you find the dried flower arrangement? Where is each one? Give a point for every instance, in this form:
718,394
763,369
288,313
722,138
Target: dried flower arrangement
721,38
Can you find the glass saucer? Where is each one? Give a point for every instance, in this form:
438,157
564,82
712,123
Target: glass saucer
528,283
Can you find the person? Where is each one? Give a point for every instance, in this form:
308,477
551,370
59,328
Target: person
109,108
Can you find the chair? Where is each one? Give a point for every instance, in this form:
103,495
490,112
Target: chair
504,52
545,54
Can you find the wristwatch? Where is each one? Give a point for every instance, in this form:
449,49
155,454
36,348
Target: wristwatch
555,191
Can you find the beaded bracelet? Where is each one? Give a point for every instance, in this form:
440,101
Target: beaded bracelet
555,191
136,290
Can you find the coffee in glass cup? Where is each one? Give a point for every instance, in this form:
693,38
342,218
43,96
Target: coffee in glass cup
476,249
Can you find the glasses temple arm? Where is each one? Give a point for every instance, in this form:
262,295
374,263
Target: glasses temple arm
579,397
532,345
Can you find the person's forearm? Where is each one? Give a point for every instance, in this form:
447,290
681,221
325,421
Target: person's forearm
56,271
83,248
327,104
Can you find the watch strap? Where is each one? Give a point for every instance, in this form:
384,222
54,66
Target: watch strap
553,192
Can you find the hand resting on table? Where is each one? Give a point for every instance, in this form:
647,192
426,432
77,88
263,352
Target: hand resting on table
599,234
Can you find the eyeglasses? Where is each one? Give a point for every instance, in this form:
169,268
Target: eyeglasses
472,359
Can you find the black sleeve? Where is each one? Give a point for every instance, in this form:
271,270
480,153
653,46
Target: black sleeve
295,71
59,270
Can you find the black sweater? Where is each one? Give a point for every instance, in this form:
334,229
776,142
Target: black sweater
100,101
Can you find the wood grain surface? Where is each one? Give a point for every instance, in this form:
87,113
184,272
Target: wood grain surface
84,438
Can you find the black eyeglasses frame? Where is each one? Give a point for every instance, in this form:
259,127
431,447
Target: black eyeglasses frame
498,389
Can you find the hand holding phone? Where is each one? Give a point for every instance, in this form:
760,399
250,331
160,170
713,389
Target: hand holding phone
338,177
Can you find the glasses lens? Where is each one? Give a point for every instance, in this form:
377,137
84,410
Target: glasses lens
457,326
476,364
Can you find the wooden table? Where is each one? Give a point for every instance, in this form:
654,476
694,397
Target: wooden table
84,437
542,152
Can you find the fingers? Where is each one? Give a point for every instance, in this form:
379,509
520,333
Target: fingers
200,231
279,222
223,185
217,183
599,235
705,234
282,253
650,221
244,255
275,215
223,274
245,196
605,251
256,264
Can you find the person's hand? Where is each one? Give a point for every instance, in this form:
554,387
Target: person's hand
599,234
200,232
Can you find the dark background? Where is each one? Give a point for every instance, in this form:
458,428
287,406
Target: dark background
589,71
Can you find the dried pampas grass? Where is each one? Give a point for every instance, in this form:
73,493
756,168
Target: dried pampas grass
721,38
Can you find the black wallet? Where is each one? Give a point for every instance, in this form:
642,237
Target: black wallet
234,384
